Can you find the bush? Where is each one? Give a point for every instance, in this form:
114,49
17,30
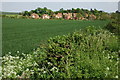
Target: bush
88,53
84,54
114,26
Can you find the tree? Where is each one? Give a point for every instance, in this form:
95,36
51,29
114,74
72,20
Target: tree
69,11
79,15
45,8
78,10
61,10
73,10
105,16
26,13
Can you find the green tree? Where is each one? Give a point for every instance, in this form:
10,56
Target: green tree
61,10
79,15
73,10
105,16
78,10
26,13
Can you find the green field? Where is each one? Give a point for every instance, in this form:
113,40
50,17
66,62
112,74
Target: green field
24,35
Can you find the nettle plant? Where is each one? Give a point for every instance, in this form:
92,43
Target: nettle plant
88,53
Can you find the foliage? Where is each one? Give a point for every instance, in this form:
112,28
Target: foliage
10,13
79,15
41,11
22,67
14,16
26,13
89,53
38,11
114,25
85,54
104,16
115,16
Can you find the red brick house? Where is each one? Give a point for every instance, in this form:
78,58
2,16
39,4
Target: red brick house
75,16
70,16
35,16
45,16
59,15
92,17
86,15
67,16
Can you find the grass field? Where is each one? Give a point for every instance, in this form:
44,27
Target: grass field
24,35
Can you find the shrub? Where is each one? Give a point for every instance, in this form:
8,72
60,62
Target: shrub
114,26
88,53
84,54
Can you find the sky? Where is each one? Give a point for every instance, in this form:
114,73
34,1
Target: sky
59,0
22,6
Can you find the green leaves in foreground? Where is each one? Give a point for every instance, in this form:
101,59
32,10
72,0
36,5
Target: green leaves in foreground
89,53
85,53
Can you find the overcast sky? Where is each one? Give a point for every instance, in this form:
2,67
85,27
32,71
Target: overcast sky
22,6
60,0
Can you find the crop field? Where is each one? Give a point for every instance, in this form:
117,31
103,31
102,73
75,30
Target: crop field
24,35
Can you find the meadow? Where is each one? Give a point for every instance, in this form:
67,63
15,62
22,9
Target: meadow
24,35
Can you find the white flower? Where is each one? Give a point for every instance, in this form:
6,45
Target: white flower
107,68
18,51
49,63
54,69
17,57
103,51
111,56
9,52
108,56
44,71
110,60
116,76
27,69
117,58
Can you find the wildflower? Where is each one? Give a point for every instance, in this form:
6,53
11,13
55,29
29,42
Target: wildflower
17,57
54,69
9,52
49,63
18,51
111,56
117,58
116,76
107,68
27,69
103,51
44,71
110,60
108,56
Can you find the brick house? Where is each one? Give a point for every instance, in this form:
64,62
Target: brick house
67,16
45,16
64,13
75,16
86,15
70,16
59,15
35,16
92,17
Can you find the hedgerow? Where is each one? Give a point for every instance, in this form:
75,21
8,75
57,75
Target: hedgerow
114,26
89,53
